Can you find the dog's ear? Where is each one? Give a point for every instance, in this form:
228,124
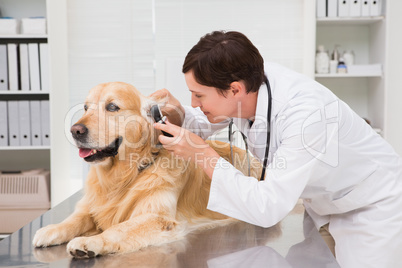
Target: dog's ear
147,103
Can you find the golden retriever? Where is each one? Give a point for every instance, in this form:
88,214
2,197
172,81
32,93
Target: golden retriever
136,194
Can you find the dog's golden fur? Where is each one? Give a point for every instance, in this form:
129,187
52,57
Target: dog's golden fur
141,196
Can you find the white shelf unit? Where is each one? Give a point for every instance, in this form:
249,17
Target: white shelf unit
349,20
22,93
365,93
23,157
374,40
20,158
23,36
346,75
24,148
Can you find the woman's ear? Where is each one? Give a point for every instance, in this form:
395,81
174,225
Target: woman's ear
238,88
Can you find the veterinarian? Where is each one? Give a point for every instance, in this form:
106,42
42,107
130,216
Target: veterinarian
314,146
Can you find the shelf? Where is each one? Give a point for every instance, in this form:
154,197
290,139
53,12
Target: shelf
346,75
23,36
24,95
18,148
19,92
349,20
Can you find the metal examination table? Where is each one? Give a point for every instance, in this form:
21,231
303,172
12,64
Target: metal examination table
294,242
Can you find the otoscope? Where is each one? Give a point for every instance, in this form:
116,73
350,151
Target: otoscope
159,118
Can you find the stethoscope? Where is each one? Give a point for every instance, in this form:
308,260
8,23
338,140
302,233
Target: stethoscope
245,138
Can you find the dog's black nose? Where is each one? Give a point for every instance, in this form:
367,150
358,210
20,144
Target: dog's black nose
79,131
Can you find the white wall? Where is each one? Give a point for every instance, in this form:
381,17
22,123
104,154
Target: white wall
275,27
393,82
132,41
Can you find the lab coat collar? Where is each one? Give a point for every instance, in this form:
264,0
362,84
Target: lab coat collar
260,117
262,108
256,134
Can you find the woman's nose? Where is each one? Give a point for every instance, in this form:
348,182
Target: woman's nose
194,102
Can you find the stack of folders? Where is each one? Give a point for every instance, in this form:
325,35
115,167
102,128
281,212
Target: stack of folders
24,67
349,8
24,123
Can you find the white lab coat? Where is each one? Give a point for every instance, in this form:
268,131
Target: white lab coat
320,151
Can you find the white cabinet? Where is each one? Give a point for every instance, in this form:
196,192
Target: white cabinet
374,40
24,98
364,90
56,156
25,155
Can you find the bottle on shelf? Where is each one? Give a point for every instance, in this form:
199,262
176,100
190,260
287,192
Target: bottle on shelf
333,66
335,53
342,69
333,63
349,57
322,61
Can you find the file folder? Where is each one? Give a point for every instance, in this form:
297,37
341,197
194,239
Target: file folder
44,66
375,7
12,66
321,8
3,124
355,8
366,8
343,8
24,67
24,123
45,121
34,74
13,123
332,8
3,68
36,128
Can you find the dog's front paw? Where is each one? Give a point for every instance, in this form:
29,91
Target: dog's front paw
85,247
50,235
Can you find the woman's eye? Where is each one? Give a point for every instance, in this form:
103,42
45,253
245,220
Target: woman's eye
111,107
85,107
198,96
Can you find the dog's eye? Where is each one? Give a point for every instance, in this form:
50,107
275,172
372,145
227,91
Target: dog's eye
111,107
85,107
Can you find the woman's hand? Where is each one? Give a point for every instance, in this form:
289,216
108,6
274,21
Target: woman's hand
189,146
173,110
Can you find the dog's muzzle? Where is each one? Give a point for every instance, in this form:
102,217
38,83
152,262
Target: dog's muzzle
79,132
87,151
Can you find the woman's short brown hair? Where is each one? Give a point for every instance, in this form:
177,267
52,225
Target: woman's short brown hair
220,58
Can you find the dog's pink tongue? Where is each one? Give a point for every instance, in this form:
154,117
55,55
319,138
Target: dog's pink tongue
84,152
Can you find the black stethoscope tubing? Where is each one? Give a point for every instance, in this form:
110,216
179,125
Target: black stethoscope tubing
268,129
268,134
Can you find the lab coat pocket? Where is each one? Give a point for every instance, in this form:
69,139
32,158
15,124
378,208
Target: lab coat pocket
366,192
